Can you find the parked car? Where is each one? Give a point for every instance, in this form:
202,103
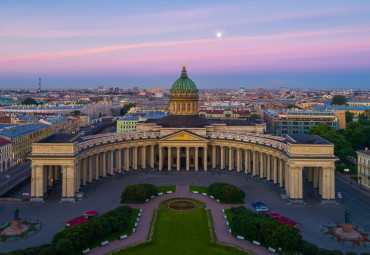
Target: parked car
75,221
261,208
257,203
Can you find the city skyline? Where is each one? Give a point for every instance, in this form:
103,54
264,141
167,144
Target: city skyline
85,45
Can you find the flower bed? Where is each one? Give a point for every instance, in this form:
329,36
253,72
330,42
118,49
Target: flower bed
329,232
33,228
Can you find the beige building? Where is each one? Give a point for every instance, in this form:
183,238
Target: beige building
5,154
184,141
363,170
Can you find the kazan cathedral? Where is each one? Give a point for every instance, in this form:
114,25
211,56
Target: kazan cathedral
185,141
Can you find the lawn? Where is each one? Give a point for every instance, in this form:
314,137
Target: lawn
181,233
200,189
164,189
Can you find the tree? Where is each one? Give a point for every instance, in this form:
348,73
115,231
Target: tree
354,133
349,116
29,101
293,106
338,100
77,113
126,108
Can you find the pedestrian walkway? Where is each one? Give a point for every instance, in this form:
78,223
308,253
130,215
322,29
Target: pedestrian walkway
182,191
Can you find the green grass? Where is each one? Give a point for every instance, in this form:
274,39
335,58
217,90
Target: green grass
164,189
200,189
115,236
184,233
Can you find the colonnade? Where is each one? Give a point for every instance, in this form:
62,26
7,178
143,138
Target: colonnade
259,162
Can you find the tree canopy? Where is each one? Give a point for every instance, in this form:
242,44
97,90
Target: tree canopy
339,100
126,108
29,101
293,106
349,116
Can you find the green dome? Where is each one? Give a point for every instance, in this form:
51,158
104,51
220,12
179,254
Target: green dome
184,83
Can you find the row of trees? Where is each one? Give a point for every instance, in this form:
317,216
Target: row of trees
226,192
138,193
268,231
356,136
308,248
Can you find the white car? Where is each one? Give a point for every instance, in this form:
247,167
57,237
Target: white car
261,208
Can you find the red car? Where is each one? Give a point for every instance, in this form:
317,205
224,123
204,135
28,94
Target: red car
75,221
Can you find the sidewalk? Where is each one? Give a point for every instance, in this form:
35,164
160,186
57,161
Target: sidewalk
219,222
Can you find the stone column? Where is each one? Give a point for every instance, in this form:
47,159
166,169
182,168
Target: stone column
84,171
255,163
214,156
160,167
227,152
275,169
328,189
34,172
169,161
247,166
56,173
196,165
238,160
118,168
187,158
178,158
127,158
222,157
295,183
64,181
205,158
152,156
281,163
78,176
315,183
71,180
50,172
143,157
262,164
320,180
287,180
90,168
110,162
231,158
134,166
268,167
97,166
104,163
309,173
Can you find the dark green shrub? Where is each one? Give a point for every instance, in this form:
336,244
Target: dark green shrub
238,209
226,192
308,248
337,252
138,192
351,253
49,250
365,253
323,251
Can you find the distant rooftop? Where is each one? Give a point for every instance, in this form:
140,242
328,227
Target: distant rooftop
306,139
17,131
58,138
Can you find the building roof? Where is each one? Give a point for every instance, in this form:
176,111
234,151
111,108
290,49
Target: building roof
184,83
367,152
58,138
4,142
183,121
306,139
19,131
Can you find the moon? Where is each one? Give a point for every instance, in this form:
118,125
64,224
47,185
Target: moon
219,34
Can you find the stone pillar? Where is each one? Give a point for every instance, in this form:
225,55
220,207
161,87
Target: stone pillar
178,158
238,160
262,164
315,183
84,171
64,181
227,151
110,162
320,180
281,178
104,164
152,156
231,158
71,181
50,172
196,159
222,157
118,168
275,169
34,179
160,167
90,168
143,157
169,161
126,158
187,158
287,180
268,167
78,175
255,163
205,158
295,182
247,164
214,156
97,166
134,163
309,173
328,189
57,173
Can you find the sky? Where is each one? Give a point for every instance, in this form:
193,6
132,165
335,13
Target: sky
224,44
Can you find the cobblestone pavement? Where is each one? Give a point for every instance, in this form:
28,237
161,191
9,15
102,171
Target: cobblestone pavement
182,191
105,196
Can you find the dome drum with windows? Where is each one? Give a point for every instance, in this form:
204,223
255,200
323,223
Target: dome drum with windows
184,96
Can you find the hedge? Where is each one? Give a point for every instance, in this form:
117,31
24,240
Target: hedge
138,193
226,192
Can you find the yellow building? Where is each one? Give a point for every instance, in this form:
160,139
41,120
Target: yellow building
363,168
22,138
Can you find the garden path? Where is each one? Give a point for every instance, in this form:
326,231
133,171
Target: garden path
182,191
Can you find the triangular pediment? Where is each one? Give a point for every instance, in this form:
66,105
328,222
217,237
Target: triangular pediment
184,136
